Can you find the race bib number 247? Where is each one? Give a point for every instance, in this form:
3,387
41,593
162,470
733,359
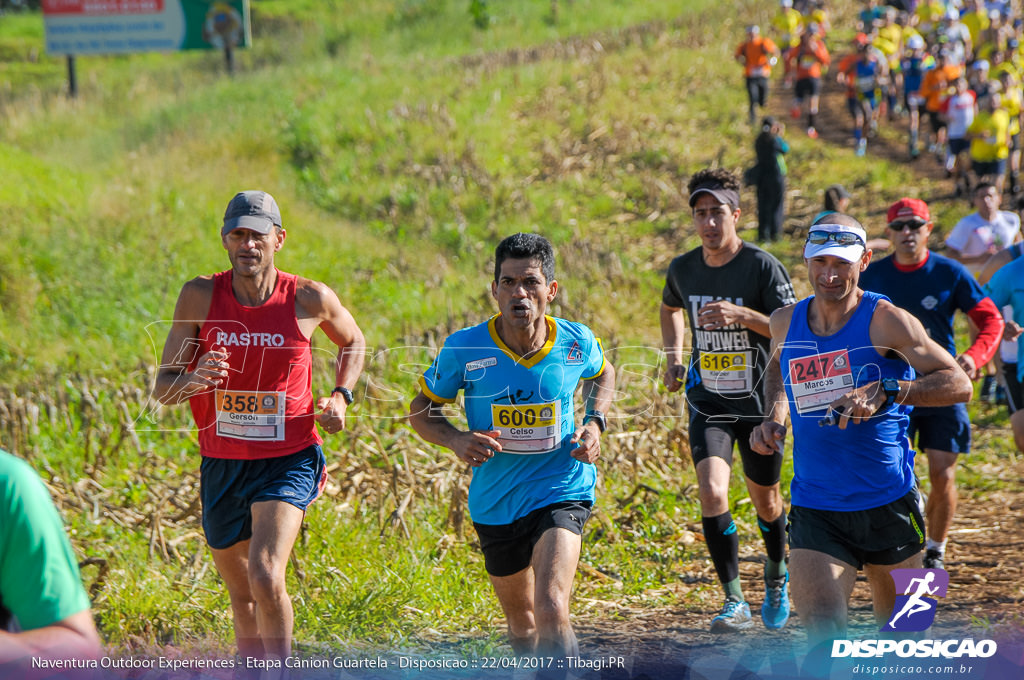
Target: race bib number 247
819,379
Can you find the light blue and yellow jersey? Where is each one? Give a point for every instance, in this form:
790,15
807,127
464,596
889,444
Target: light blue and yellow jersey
530,401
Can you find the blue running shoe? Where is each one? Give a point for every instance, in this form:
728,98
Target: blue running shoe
735,616
775,610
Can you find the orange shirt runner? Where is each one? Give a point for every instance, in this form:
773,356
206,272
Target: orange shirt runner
756,57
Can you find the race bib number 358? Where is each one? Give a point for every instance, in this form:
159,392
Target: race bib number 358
819,379
253,416
527,428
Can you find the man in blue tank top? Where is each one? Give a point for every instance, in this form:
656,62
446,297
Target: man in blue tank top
933,288
533,466
843,367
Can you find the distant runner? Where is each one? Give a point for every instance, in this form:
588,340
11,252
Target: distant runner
757,55
806,61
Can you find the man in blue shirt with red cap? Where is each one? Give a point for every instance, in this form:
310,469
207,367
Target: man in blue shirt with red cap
933,288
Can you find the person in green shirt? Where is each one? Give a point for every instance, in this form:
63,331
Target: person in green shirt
44,610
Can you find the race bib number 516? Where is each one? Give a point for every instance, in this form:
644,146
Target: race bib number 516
727,372
819,379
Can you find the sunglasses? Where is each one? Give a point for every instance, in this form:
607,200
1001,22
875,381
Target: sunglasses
844,238
913,226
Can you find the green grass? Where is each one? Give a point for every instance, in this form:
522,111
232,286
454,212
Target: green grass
402,143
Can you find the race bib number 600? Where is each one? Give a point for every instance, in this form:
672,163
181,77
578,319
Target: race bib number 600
527,428
254,416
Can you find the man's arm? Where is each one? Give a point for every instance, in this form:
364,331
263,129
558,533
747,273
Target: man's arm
993,264
73,637
474,447
967,260
174,382
722,313
989,320
673,330
597,396
767,438
317,301
940,380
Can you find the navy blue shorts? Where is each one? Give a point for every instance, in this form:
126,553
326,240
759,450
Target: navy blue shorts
228,488
943,428
982,168
508,548
957,145
1014,401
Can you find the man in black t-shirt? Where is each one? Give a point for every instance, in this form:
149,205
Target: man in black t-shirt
728,289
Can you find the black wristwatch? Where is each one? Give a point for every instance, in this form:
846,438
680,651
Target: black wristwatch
597,417
891,387
345,393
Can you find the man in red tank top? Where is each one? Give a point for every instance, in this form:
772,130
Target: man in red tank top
239,352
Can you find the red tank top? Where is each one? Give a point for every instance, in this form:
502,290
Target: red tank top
264,409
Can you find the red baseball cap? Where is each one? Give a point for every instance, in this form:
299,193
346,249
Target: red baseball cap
908,208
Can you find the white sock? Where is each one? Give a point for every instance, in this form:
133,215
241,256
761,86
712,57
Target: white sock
929,544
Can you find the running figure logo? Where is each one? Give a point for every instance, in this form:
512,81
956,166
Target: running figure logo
915,607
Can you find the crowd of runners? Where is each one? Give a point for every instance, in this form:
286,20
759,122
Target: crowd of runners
953,70
858,378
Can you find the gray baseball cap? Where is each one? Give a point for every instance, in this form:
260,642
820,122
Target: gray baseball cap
256,210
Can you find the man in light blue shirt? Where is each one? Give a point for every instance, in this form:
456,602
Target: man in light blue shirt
533,466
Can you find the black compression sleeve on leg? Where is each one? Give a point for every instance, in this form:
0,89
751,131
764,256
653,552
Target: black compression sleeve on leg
723,545
774,535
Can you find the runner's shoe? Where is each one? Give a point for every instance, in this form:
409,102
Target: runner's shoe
862,147
735,616
812,133
933,559
794,112
775,610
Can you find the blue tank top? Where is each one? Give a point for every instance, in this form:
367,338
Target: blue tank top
864,466
913,74
865,76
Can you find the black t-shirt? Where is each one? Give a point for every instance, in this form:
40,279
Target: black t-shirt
726,368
